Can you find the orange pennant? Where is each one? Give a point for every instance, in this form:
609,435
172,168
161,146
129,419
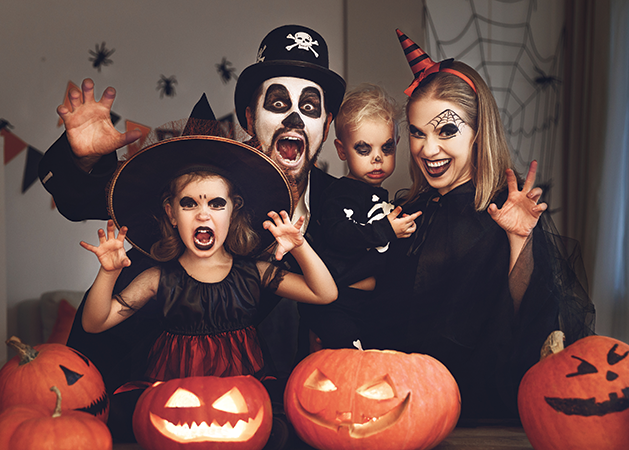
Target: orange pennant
13,145
137,145
66,100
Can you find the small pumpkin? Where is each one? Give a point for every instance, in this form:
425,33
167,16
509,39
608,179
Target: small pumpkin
193,413
33,427
348,399
577,397
27,377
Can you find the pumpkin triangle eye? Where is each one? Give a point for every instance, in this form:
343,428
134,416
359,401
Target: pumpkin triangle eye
183,398
380,390
615,358
584,368
231,402
319,382
71,376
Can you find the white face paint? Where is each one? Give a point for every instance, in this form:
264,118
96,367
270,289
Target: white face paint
290,122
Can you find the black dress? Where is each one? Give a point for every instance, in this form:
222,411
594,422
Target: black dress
446,293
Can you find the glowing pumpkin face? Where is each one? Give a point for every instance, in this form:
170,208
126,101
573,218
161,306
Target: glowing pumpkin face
27,378
229,413
338,399
578,397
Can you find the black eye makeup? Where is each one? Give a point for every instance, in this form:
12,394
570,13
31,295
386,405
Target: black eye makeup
277,99
187,202
310,102
362,148
217,203
448,124
388,148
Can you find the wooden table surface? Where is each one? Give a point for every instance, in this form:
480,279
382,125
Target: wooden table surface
463,438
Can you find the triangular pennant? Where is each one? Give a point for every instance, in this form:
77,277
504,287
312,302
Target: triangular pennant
66,100
13,145
137,145
4,124
30,169
227,122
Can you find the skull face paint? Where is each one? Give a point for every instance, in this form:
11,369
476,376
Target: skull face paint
291,124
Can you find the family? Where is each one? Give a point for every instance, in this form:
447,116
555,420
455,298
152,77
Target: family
464,265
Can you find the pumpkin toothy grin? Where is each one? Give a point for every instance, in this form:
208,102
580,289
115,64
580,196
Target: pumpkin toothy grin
435,169
242,431
204,238
589,406
370,426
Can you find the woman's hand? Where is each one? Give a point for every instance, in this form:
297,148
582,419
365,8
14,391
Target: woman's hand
520,213
88,124
287,235
110,250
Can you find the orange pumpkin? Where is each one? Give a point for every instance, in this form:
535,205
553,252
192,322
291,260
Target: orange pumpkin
577,397
194,413
33,427
349,399
27,377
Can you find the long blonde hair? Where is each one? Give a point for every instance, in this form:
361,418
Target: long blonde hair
490,153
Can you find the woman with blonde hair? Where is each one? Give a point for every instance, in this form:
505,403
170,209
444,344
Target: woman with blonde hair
485,277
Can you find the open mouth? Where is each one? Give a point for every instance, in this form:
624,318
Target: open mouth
290,149
437,168
589,406
367,427
204,238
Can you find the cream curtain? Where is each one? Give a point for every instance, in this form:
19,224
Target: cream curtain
611,275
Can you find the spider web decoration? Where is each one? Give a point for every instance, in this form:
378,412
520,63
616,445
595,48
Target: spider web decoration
508,54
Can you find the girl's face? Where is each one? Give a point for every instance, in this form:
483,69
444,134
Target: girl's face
201,211
441,143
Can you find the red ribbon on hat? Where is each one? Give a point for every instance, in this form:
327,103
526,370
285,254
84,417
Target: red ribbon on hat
422,65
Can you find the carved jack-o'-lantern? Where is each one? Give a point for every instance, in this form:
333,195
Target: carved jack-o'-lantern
27,378
577,397
346,399
228,413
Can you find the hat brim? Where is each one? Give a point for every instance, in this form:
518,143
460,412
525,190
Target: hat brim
134,198
253,76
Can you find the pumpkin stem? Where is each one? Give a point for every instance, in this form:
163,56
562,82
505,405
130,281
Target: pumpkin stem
57,411
553,344
358,345
26,352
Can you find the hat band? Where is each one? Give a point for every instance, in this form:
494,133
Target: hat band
416,82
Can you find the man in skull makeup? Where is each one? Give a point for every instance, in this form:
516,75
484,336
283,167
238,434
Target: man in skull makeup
286,101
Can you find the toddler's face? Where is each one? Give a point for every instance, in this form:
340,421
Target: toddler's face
201,212
369,151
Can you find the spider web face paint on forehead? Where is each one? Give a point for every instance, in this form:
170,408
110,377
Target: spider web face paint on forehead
447,117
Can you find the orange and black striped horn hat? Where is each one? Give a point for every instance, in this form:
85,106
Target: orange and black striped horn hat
422,65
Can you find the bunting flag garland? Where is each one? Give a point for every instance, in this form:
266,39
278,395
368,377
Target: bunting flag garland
30,169
13,145
137,145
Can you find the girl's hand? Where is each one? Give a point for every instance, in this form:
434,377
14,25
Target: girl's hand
287,235
110,250
520,213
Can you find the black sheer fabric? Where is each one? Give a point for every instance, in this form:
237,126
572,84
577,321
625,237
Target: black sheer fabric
447,293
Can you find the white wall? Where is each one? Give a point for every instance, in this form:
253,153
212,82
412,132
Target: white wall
46,44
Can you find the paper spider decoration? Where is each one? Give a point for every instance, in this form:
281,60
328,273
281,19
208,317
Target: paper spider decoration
226,71
166,86
100,57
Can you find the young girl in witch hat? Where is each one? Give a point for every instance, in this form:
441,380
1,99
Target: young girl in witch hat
196,204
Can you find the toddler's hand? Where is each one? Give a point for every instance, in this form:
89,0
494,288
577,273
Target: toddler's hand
403,226
110,250
287,235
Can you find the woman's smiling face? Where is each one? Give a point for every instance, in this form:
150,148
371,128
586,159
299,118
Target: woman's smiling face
441,143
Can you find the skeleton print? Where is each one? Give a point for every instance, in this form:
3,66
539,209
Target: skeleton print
378,211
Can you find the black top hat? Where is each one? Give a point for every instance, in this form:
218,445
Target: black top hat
292,51
134,198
